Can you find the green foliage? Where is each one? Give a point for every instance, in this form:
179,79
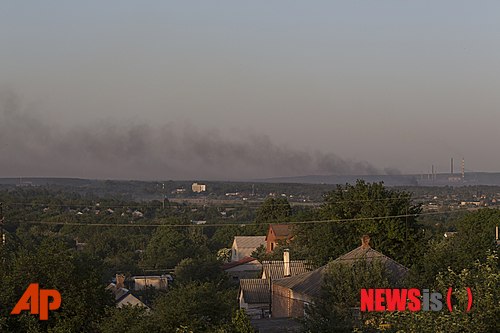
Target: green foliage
274,210
76,276
169,245
396,237
484,280
335,310
130,319
241,323
476,233
200,269
199,307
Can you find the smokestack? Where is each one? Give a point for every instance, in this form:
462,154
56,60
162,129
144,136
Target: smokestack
463,168
120,281
452,166
286,262
433,174
365,242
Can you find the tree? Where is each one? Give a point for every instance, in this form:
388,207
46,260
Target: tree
475,236
130,319
77,276
388,216
169,245
199,307
483,279
274,210
201,269
335,310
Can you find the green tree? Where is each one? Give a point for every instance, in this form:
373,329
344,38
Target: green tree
336,309
200,269
475,236
130,319
274,210
53,265
169,245
387,215
483,279
199,307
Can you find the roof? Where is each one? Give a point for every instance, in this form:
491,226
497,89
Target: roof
123,296
255,291
367,253
306,283
237,263
117,292
131,300
310,283
275,269
281,230
249,241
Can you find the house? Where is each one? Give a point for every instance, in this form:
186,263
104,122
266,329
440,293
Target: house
245,268
449,234
122,295
243,246
159,282
137,214
254,297
292,295
277,233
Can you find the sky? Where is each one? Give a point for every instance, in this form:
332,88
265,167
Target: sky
247,89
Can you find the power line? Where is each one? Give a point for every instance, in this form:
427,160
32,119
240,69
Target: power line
183,205
155,225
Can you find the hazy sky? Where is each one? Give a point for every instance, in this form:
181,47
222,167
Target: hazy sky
242,89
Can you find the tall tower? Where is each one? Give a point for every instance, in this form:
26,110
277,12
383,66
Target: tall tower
452,166
463,169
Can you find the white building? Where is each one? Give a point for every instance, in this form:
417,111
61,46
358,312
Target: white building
159,282
198,188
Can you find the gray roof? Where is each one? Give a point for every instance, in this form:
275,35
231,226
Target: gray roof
275,269
119,293
310,283
249,241
255,291
307,283
395,269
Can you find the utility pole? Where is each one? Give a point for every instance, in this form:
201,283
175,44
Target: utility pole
164,196
2,234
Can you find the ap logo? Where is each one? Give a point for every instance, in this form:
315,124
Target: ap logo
38,301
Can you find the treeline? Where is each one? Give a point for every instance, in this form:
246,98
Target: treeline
202,299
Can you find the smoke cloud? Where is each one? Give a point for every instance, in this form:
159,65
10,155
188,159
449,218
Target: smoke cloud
34,146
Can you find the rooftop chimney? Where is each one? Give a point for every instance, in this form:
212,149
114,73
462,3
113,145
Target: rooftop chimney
286,262
365,242
120,281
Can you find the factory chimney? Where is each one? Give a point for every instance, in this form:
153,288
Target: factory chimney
463,168
452,166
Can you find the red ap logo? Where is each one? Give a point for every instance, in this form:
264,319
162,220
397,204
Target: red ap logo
36,301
